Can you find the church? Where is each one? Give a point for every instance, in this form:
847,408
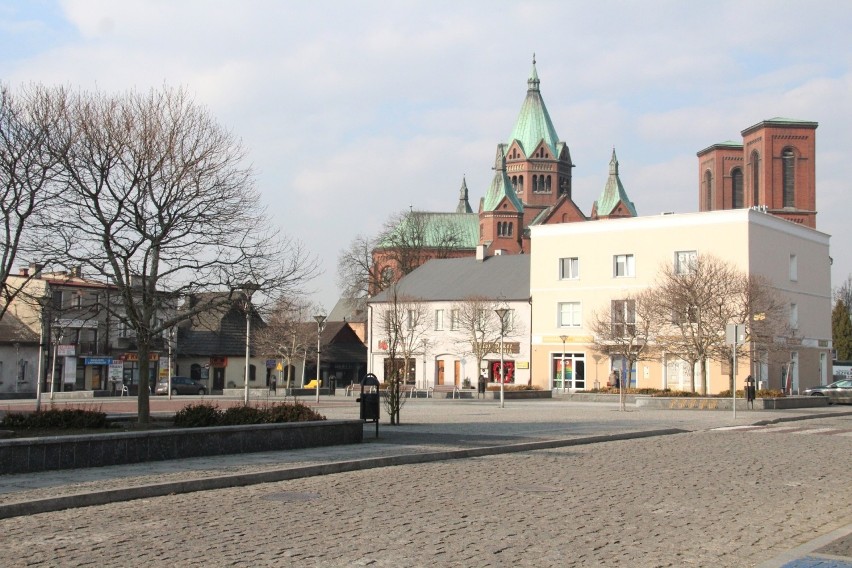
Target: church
531,186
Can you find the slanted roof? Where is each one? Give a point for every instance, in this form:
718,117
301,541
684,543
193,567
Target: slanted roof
501,187
464,202
613,192
533,124
347,310
463,226
505,277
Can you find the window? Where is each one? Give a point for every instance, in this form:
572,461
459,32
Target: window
794,316
794,268
788,174
737,188
755,178
454,319
504,229
708,191
623,318
623,266
569,268
685,261
410,317
569,314
439,320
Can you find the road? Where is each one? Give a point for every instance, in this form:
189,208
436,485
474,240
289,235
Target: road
733,496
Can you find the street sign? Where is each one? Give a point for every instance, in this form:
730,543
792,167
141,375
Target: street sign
735,334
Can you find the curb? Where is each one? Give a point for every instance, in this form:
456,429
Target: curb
51,504
804,556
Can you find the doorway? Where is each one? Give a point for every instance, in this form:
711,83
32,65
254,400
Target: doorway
439,372
568,371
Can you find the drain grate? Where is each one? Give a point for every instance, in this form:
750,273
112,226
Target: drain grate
290,496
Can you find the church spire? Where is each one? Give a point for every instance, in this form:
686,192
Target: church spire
613,201
464,203
533,82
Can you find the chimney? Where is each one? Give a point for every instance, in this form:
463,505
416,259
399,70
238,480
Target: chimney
480,252
24,271
35,268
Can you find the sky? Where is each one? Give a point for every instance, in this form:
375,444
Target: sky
352,111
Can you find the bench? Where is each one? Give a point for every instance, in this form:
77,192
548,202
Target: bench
446,389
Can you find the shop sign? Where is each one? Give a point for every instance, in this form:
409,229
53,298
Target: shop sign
69,370
97,360
134,357
116,371
218,362
66,350
270,363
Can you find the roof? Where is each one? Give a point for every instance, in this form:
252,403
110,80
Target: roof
533,124
347,310
613,192
781,122
464,226
504,277
501,187
464,202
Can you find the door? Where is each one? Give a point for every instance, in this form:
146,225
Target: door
218,379
439,372
457,369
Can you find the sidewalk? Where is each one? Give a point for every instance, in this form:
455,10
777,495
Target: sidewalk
432,430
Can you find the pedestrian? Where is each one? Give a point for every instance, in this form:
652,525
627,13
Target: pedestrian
273,384
481,386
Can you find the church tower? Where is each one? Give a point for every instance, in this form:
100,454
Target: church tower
501,213
538,164
773,168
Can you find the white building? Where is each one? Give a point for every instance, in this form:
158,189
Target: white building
434,303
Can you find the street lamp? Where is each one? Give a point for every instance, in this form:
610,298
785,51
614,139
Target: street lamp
17,365
171,339
56,332
249,288
320,322
564,338
501,313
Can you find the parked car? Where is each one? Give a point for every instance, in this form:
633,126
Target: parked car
181,385
838,391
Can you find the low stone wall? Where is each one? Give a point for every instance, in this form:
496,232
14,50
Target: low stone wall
520,395
594,397
683,403
24,455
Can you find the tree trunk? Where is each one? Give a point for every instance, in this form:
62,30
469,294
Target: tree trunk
143,400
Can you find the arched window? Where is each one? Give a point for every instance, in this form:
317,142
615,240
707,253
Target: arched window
515,183
547,184
520,184
755,178
509,232
788,177
737,188
708,191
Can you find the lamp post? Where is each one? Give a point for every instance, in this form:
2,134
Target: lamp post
171,339
249,288
501,313
56,333
320,322
564,338
17,365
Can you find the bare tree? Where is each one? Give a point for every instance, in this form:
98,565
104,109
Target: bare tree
479,327
288,335
691,308
402,323
157,198
411,238
626,328
28,122
358,276
844,292
763,312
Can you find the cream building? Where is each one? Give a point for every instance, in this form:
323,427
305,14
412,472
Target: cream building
578,268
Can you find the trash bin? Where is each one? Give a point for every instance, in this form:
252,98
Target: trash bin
481,386
369,400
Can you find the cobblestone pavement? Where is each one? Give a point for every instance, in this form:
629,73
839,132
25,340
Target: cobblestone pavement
725,494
